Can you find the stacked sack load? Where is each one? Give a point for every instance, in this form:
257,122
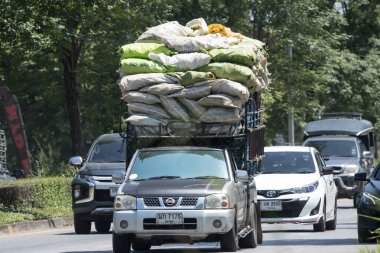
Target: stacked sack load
190,74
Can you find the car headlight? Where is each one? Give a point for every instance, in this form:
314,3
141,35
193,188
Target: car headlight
86,178
306,188
369,199
125,202
351,169
215,201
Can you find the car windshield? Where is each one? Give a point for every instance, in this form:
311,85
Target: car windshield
287,163
334,148
108,151
183,164
377,174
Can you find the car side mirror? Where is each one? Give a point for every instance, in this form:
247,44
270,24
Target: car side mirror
328,170
242,176
360,176
118,177
76,161
367,154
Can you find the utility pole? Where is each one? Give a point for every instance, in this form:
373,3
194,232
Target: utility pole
290,100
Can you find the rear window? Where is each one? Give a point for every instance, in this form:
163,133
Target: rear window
109,151
287,163
179,164
334,148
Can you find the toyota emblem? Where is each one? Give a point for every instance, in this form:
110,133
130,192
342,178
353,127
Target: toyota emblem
271,194
170,202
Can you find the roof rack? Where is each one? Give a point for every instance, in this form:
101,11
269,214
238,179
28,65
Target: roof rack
352,115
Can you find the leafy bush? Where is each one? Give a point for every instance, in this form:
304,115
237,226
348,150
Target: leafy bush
35,198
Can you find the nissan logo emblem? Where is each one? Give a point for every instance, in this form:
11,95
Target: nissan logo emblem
271,194
170,202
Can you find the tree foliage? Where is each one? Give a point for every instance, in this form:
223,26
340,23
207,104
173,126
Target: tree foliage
60,59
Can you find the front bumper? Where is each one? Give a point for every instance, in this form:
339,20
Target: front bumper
141,223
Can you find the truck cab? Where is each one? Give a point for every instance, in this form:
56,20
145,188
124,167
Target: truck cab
346,143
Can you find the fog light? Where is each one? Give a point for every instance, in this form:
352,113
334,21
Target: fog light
77,191
123,224
217,223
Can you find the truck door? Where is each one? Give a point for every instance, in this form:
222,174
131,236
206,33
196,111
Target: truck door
242,196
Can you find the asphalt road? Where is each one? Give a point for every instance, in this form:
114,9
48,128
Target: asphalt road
277,238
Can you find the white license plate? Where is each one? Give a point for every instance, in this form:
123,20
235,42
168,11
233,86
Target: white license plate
271,205
113,191
169,218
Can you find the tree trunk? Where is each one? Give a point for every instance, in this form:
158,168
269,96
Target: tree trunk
69,61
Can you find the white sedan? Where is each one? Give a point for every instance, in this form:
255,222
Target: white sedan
295,186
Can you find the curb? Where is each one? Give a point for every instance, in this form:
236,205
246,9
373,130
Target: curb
38,225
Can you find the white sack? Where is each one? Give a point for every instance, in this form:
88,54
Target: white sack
220,115
174,108
162,88
194,92
220,100
136,82
158,33
183,62
155,110
224,86
144,120
199,26
140,97
193,107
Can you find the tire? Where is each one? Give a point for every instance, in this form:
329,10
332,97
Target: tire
321,225
250,240
81,227
331,225
259,227
141,246
229,242
102,226
355,200
121,243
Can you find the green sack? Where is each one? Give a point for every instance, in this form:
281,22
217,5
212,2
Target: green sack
190,77
137,66
141,50
243,56
234,72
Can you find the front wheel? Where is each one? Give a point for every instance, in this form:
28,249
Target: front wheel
321,225
121,243
229,242
331,225
81,226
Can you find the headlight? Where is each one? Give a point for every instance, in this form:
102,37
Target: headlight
125,202
217,201
306,188
86,178
351,169
369,199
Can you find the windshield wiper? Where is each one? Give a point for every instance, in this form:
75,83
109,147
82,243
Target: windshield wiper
205,177
163,177
272,172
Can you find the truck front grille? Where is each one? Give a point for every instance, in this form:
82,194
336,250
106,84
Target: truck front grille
179,201
188,223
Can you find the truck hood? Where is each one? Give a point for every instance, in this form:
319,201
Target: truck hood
283,181
341,161
174,187
101,169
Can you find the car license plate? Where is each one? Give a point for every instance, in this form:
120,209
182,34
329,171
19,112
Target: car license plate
113,191
169,218
271,205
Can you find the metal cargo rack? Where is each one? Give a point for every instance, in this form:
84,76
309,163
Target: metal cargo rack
244,139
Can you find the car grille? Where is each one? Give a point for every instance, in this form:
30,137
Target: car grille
103,195
188,223
290,209
179,201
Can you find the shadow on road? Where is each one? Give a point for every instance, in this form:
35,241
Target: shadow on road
309,242
192,250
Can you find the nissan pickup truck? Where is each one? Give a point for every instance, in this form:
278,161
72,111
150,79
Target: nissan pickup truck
184,194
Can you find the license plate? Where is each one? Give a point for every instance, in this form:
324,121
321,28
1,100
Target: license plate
169,218
271,205
113,191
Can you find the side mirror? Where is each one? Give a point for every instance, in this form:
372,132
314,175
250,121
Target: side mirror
242,176
118,177
328,170
76,161
367,154
360,176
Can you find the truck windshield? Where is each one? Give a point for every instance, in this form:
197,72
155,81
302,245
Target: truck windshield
287,163
109,151
182,164
334,148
